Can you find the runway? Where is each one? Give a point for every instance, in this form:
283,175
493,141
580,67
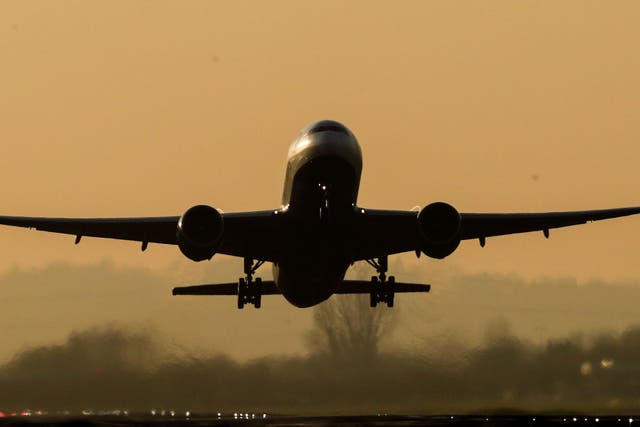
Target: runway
259,420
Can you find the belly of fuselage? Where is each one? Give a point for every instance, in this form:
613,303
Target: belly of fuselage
320,212
305,282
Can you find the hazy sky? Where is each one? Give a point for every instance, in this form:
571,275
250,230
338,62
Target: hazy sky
146,108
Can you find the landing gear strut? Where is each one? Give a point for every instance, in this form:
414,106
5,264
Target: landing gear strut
381,285
250,290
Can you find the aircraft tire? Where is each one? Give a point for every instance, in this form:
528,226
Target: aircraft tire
242,291
373,300
391,294
257,302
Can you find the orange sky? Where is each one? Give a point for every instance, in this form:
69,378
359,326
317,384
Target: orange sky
146,108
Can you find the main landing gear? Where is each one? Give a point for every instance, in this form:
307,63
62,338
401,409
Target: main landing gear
381,285
250,290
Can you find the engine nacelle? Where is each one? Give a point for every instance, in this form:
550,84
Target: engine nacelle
199,232
439,225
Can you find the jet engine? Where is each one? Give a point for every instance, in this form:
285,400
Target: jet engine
439,225
199,232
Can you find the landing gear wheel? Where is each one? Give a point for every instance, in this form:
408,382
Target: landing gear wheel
242,292
374,296
250,291
382,287
390,295
257,293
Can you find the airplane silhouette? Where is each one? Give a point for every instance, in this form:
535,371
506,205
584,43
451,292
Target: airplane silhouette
317,232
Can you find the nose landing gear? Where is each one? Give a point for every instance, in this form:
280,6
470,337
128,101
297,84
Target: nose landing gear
250,290
381,286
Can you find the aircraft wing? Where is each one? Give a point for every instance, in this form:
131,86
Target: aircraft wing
152,229
481,225
246,234
257,234
381,232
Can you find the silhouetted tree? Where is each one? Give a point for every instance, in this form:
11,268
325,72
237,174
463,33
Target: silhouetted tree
347,328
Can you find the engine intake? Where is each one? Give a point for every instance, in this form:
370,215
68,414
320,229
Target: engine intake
199,232
439,225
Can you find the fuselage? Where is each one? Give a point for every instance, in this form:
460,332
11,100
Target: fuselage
320,193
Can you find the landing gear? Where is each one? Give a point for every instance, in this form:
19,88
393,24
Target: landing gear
381,286
249,290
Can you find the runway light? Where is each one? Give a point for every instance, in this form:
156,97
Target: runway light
607,363
630,420
264,416
575,419
586,368
597,420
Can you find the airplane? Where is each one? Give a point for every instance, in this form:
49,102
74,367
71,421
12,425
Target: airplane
317,232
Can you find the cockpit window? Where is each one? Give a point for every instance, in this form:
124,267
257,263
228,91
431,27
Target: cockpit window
335,127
